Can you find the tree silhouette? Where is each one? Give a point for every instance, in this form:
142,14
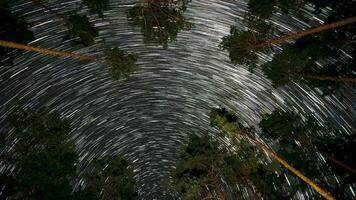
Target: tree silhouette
300,142
39,162
12,28
79,26
97,6
243,45
238,42
121,63
42,155
266,8
206,170
229,125
298,62
160,20
317,57
112,179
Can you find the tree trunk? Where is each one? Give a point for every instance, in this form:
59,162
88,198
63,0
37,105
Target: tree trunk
240,134
329,78
45,51
285,164
311,147
341,164
296,35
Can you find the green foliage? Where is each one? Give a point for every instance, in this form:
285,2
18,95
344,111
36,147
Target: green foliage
44,162
239,43
79,26
266,8
282,124
205,166
12,28
262,8
113,180
289,126
191,174
160,20
299,143
299,59
97,6
265,179
43,157
121,63
224,120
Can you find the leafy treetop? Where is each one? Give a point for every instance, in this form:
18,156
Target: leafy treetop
300,142
121,63
79,26
209,170
42,154
12,28
39,162
112,179
160,20
97,6
238,42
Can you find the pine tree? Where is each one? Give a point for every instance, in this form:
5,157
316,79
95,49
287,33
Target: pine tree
160,20
44,51
112,179
42,155
121,63
229,125
97,6
12,28
39,162
300,142
266,8
78,26
207,170
238,41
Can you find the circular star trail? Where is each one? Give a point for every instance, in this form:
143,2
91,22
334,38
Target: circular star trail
148,116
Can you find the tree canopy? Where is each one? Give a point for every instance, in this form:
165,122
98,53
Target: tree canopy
208,170
238,42
12,28
301,141
299,62
39,162
42,154
266,8
120,62
318,59
79,26
97,6
160,20
112,178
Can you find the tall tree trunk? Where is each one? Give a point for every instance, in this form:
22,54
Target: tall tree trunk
240,134
45,51
329,78
311,147
296,35
341,164
285,164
